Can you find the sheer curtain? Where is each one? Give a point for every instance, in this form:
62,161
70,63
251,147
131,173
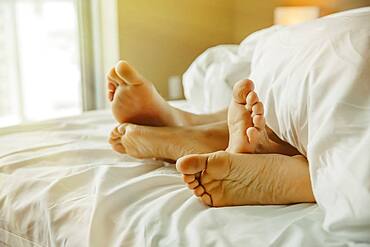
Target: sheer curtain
47,67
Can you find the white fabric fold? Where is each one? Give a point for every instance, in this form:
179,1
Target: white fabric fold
314,79
62,185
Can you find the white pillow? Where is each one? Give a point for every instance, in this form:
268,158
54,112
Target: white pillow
209,80
314,81
206,79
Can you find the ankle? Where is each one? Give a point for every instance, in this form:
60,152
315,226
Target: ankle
183,118
178,117
280,148
215,136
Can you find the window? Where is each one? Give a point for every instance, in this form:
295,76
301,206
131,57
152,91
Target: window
40,65
53,57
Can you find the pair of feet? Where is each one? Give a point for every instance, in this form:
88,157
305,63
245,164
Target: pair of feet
217,178
141,110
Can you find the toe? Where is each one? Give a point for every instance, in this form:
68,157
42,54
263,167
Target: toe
188,178
206,199
122,128
112,86
257,109
199,191
116,140
113,140
191,164
110,96
111,90
251,99
113,79
241,90
118,147
115,134
127,73
252,134
193,184
259,121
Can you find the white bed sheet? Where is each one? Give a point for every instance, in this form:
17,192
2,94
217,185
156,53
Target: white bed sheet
62,185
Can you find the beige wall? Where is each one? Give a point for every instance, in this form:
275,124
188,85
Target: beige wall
162,37
251,16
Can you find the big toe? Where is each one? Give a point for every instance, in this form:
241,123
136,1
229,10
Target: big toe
241,90
127,73
191,164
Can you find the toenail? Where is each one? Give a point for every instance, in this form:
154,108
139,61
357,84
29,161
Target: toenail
122,129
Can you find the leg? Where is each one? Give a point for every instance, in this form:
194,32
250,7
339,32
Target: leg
169,143
226,179
135,100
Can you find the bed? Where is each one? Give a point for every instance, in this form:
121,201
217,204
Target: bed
62,185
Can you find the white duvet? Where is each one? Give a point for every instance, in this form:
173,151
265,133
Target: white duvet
62,185
314,80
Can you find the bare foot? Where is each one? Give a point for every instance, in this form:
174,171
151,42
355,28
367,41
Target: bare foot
168,143
227,179
246,121
135,99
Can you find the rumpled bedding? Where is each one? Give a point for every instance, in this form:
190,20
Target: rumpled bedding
62,185
314,79
209,80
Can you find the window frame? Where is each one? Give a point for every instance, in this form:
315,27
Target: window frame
98,25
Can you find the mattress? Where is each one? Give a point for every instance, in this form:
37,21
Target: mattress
62,185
